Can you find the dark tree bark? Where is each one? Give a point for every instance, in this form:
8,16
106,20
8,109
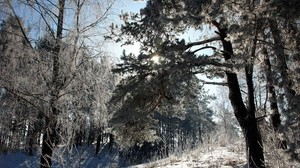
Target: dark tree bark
47,145
99,139
50,134
275,115
111,142
31,135
244,115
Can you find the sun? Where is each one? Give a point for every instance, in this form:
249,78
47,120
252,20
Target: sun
155,59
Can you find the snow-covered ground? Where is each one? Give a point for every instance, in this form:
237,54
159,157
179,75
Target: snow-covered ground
204,157
84,157
212,157
17,160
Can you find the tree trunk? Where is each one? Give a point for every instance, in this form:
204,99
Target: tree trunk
50,134
285,82
275,115
292,99
31,135
99,139
245,117
200,134
47,146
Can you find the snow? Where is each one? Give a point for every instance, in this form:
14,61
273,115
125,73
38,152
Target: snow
82,157
18,159
220,157
204,157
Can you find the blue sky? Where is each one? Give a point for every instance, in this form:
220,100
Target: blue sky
125,6
36,25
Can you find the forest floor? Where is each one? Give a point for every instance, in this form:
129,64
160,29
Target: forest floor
208,156
214,154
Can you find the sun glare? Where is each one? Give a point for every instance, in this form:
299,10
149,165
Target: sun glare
156,59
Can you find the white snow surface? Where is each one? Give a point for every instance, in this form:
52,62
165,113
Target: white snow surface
212,157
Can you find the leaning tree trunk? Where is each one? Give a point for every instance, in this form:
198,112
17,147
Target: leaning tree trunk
245,116
50,133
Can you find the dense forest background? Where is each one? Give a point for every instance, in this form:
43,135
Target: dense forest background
62,90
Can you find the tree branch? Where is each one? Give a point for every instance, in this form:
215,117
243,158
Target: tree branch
202,48
17,95
101,18
189,45
214,83
19,23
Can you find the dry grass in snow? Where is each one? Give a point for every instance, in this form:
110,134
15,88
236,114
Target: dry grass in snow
208,157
